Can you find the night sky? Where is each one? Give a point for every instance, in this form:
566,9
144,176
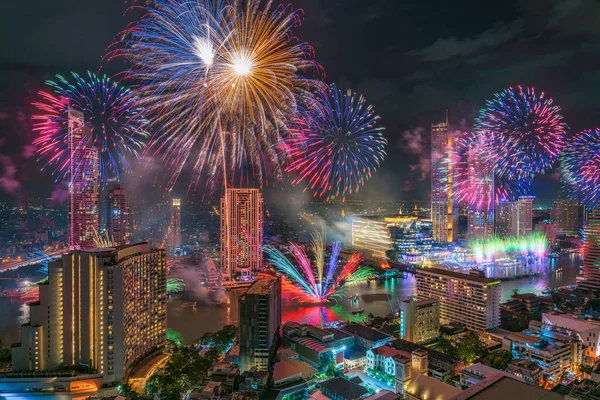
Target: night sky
410,59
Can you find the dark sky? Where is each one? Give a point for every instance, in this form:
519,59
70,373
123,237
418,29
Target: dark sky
411,59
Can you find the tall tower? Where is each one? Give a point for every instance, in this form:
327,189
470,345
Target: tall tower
591,252
118,216
175,225
84,189
525,215
481,181
241,233
259,319
444,215
566,214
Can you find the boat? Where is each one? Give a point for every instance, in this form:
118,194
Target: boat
189,304
357,311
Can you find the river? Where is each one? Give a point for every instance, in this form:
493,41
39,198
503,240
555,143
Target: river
378,298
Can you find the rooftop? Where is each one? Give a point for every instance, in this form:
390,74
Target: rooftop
344,388
570,322
387,351
366,333
262,287
427,387
405,345
457,275
502,387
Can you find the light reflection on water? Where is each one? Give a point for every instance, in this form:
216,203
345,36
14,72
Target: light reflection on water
378,298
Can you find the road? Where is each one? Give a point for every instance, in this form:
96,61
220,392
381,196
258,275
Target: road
30,261
369,381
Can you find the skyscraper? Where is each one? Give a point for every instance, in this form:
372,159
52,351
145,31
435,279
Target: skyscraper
481,180
241,233
118,216
259,319
174,238
103,308
515,218
566,214
591,252
525,215
444,216
84,189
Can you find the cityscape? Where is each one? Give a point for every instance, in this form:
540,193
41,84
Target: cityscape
248,199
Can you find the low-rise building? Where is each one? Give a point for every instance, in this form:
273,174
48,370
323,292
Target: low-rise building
526,370
355,359
429,361
586,330
343,389
505,387
475,373
424,387
366,337
393,363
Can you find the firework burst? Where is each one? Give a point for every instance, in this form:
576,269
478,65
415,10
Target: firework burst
524,130
110,113
581,168
328,284
339,145
221,81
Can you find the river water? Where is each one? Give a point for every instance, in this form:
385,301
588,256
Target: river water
378,298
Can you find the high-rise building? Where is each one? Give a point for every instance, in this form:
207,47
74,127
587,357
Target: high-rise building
515,218
591,252
419,320
371,234
480,213
241,233
84,189
259,320
103,308
444,215
470,299
118,216
566,214
174,238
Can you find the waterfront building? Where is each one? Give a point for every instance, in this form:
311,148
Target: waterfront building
241,233
591,252
84,183
259,319
174,235
419,320
549,230
566,214
515,218
371,234
103,308
556,354
118,217
444,214
587,331
472,299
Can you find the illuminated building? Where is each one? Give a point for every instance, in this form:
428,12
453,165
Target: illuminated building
84,189
480,213
549,230
566,214
515,218
419,320
371,234
175,226
241,233
591,252
444,216
587,331
472,299
118,217
103,308
259,319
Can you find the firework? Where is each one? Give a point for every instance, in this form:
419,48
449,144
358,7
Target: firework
221,82
338,145
525,132
111,114
581,168
330,280
175,285
492,248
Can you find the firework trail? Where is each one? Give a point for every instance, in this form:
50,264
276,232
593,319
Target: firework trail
111,113
221,82
524,130
301,281
581,168
338,145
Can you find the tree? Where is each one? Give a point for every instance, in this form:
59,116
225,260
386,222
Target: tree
498,359
585,369
329,369
448,380
470,348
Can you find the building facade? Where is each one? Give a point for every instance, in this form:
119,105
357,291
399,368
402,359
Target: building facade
118,217
472,300
480,212
444,215
591,252
174,233
419,320
259,319
84,183
566,214
515,218
102,308
241,233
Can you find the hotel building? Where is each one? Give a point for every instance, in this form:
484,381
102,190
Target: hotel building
259,319
84,187
174,235
591,252
419,320
566,214
118,217
102,308
515,218
241,233
472,299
